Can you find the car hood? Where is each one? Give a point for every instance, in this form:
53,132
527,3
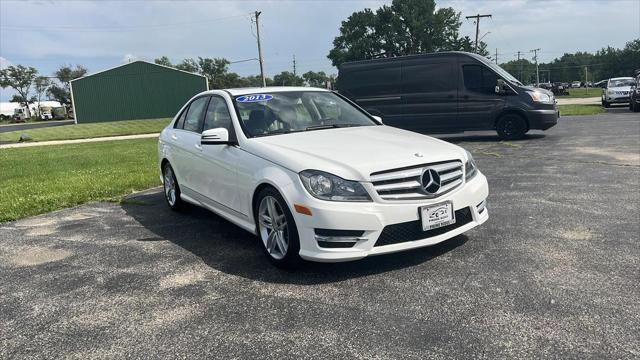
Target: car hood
353,153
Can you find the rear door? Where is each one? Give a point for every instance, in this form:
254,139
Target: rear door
186,140
375,87
478,105
430,94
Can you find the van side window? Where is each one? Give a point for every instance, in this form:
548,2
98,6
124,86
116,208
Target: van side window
195,114
479,79
425,78
374,81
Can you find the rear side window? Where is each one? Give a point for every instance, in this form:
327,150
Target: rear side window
180,122
371,82
479,79
431,77
195,114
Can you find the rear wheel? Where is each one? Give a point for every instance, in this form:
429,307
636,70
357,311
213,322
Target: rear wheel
277,229
171,188
511,127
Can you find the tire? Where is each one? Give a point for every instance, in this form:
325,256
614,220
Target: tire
511,127
171,189
635,107
280,245
606,104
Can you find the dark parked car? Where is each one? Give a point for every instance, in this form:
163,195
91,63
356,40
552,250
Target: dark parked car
634,94
447,92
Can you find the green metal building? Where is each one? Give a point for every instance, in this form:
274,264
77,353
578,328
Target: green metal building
137,90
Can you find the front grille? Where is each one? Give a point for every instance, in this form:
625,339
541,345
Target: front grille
412,230
405,183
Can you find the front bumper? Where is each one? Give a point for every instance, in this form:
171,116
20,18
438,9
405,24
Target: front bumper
617,98
542,119
372,217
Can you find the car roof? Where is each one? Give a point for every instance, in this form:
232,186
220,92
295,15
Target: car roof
271,89
622,78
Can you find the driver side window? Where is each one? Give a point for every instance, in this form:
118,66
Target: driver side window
479,79
217,115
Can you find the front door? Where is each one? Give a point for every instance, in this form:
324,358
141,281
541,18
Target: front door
185,140
217,172
478,104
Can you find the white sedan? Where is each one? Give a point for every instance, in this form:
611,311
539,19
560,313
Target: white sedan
315,177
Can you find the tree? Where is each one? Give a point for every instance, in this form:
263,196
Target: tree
41,84
406,27
287,78
188,65
61,92
20,79
315,79
215,70
163,61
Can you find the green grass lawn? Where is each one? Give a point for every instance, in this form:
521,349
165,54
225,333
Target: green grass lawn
569,110
83,131
582,93
40,179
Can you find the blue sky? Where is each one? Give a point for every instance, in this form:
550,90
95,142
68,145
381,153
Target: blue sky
103,34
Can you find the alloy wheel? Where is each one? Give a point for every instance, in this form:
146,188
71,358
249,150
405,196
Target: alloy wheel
272,223
169,186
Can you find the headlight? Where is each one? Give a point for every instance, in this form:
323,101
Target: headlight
470,168
610,92
327,186
539,97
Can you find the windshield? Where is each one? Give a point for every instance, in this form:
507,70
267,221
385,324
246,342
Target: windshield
503,73
621,82
294,111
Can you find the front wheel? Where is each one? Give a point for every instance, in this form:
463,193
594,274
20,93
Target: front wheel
171,188
605,104
277,229
511,127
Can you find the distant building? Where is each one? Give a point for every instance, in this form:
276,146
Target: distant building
137,90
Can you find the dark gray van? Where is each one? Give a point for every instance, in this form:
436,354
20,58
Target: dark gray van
447,92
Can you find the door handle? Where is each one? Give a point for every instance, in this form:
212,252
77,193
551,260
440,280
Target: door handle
174,137
198,146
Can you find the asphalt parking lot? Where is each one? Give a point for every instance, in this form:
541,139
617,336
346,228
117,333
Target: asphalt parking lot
554,273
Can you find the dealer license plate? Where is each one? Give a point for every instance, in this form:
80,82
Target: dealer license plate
437,215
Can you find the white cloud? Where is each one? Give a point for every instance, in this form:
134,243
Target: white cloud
4,63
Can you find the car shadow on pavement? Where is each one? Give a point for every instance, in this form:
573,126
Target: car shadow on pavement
230,249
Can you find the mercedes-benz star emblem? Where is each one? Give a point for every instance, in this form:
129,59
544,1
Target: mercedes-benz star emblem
430,180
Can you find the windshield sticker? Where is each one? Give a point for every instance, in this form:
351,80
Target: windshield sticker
254,98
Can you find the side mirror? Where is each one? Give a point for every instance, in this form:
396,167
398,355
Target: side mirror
378,118
217,136
501,87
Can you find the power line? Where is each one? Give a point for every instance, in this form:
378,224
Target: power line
115,28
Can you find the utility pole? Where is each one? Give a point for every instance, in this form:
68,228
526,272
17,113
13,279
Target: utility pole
257,14
496,56
294,65
477,17
535,58
520,52
586,79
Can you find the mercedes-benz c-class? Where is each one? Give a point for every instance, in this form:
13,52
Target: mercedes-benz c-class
315,177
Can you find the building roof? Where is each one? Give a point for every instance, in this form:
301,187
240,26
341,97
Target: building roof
133,62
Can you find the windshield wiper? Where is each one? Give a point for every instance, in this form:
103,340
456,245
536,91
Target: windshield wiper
277,132
329,126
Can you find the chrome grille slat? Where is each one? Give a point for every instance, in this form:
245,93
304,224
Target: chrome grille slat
405,183
451,175
397,175
401,185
